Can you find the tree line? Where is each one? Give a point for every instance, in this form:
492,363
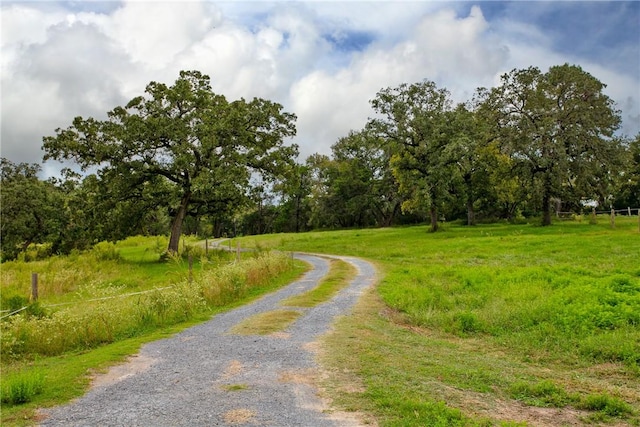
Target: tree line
182,158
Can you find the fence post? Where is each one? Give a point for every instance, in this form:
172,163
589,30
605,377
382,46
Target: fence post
629,210
190,268
238,252
613,218
206,247
34,287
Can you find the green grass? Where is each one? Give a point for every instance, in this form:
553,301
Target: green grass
47,357
131,265
266,323
473,314
236,387
340,273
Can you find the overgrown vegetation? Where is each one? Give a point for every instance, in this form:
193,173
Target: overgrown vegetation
492,320
107,302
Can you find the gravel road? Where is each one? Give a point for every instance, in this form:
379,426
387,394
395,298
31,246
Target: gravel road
207,376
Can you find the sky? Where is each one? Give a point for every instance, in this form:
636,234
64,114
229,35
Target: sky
322,60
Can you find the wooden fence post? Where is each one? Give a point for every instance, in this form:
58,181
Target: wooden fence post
34,287
613,218
206,247
629,210
190,268
238,252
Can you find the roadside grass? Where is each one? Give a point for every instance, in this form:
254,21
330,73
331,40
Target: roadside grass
127,266
49,356
490,325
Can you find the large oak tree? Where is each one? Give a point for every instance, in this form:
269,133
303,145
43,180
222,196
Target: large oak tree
198,149
415,120
558,128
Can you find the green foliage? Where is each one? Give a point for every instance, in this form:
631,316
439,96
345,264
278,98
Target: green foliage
22,388
32,210
105,251
111,317
415,120
544,393
547,123
180,147
610,406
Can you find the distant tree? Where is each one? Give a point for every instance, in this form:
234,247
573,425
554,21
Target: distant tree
31,209
193,145
414,119
294,191
366,160
558,129
628,192
471,152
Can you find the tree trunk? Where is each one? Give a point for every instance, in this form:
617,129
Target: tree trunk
433,212
471,215
176,225
546,200
297,214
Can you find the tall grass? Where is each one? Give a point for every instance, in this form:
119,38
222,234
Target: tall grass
105,320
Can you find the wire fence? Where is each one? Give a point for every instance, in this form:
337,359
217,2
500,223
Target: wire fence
89,300
622,212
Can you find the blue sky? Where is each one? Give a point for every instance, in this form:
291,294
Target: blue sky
322,60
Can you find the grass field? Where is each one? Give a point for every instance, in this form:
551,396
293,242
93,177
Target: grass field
489,325
503,325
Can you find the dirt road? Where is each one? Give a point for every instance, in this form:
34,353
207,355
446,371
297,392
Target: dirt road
208,376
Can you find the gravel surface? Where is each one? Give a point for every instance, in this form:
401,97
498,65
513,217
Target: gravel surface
207,376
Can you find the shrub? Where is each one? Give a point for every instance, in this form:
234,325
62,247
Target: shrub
22,388
105,251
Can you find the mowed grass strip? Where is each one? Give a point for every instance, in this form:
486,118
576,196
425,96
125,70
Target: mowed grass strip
339,276
340,272
266,323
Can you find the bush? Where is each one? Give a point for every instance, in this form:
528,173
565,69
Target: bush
105,251
22,388
36,252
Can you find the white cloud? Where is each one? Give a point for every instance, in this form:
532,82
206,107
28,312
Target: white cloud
153,33
448,50
323,61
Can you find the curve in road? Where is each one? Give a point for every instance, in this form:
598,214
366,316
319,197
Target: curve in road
207,376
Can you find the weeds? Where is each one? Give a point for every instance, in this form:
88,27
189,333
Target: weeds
22,388
105,316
